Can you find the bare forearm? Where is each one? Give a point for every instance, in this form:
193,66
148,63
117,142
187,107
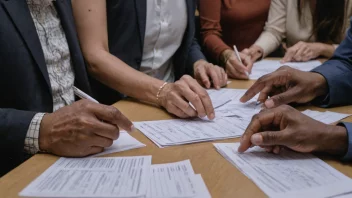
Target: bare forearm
118,75
326,50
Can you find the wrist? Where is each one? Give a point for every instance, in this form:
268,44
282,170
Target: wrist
164,90
225,55
320,85
335,140
325,50
44,133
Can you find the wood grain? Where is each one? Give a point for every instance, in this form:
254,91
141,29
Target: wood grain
222,179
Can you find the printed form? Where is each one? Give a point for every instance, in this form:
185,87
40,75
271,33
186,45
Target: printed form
177,132
289,174
326,117
264,67
93,177
123,143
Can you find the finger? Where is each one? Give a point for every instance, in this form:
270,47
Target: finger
212,72
289,54
249,64
203,96
299,54
264,94
258,86
94,150
234,73
204,77
258,122
111,115
176,111
100,141
105,129
277,149
270,138
183,105
238,65
283,98
223,77
246,51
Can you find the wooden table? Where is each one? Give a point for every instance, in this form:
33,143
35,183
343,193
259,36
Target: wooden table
222,179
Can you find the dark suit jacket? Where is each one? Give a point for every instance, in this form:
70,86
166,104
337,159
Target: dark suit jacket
24,80
126,29
338,74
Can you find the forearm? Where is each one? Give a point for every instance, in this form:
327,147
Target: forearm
335,141
117,75
326,50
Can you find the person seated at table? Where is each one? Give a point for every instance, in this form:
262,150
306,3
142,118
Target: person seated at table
152,49
40,62
225,23
282,126
309,29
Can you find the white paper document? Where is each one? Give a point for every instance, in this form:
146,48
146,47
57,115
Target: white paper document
264,67
233,107
177,132
289,174
326,117
172,180
93,177
123,143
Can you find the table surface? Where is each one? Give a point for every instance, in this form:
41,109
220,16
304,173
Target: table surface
222,178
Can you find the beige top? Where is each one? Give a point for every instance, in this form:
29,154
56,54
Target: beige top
283,23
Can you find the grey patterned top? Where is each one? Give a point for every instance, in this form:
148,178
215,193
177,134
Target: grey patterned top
58,60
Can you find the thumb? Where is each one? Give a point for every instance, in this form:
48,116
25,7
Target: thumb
281,99
269,138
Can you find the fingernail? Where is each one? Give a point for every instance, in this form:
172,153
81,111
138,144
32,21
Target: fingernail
269,103
217,87
257,139
212,116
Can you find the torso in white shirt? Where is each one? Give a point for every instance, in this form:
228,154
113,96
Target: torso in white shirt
165,27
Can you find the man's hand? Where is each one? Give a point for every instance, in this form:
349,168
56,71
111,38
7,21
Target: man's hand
303,51
175,98
234,68
284,126
287,85
208,74
81,129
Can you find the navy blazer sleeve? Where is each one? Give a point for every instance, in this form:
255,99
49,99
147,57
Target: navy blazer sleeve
338,74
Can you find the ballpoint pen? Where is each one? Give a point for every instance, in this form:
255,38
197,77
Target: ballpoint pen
238,57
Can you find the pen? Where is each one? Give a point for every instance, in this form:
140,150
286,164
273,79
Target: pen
238,57
83,95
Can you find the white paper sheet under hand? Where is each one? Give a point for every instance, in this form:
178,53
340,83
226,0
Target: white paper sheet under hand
124,143
177,132
326,117
289,174
264,67
93,177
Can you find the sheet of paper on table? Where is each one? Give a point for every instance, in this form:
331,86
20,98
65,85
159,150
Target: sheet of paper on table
176,180
93,177
177,132
264,67
289,174
118,177
326,117
123,143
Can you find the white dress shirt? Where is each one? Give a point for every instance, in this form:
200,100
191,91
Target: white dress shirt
165,26
58,61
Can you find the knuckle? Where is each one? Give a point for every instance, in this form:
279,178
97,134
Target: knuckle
286,108
270,137
114,113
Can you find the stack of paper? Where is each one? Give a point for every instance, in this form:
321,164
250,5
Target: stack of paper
177,132
118,177
123,143
289,174
264,67
326,117
176,180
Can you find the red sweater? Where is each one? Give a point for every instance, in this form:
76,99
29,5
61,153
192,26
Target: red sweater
225,23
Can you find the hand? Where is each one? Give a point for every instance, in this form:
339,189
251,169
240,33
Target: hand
284,126
207,74
175,98
255,52
287,85
77,130
302,52
234,68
